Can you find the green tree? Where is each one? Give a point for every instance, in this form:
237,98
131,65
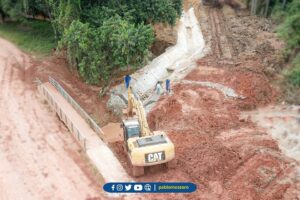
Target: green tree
289,31
125,43
97,52
13,9
80,49
62,13
153,11
150,11
294,74
99,36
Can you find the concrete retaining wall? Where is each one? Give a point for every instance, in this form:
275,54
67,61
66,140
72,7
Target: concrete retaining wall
97,151
61,112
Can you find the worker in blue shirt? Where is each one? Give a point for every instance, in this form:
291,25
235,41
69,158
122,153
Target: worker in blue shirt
127,81
168,86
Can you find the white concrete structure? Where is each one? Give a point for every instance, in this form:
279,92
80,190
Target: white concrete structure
97,151
175,63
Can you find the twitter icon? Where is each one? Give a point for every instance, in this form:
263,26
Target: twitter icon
128,187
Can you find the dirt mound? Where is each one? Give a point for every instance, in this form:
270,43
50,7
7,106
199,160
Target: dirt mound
225,156
245,32
214,161
194,107
253,38
245,81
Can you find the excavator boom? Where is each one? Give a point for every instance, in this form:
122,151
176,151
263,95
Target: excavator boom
135,103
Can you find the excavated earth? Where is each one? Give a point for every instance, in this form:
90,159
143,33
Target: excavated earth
226,154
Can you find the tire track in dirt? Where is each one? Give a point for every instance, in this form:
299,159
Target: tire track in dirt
216,32
220,45
39,158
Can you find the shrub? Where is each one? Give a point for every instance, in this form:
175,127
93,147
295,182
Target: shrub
294,74
97,52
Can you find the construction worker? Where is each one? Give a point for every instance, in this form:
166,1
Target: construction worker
158,87
168,86
127,81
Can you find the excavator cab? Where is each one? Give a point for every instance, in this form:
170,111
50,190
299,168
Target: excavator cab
131,129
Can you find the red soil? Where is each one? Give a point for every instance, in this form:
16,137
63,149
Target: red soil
39,158
86,95
253,85
226,156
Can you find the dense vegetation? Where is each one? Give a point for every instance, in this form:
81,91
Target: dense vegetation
102,36
287,15
99,36
289,30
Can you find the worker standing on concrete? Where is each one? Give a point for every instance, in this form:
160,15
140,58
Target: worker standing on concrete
127,81
158,87
168,86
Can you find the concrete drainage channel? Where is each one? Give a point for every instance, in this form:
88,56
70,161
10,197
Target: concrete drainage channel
174,64
85,130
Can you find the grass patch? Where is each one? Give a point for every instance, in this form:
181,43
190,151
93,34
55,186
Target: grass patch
31,36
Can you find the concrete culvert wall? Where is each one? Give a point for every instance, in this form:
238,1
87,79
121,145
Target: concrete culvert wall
61,113
78,108
97,151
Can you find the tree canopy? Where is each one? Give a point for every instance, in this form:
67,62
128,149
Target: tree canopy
99,36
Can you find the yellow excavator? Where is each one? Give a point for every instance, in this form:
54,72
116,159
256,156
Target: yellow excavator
143,147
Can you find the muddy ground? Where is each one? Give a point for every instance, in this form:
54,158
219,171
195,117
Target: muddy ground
226,155
229,157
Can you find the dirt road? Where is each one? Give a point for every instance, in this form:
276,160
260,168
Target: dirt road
38,157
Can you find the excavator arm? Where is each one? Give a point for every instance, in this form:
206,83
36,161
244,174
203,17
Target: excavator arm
136,104
146,148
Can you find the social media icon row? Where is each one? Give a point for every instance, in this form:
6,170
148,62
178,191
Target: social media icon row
150,187
127,187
